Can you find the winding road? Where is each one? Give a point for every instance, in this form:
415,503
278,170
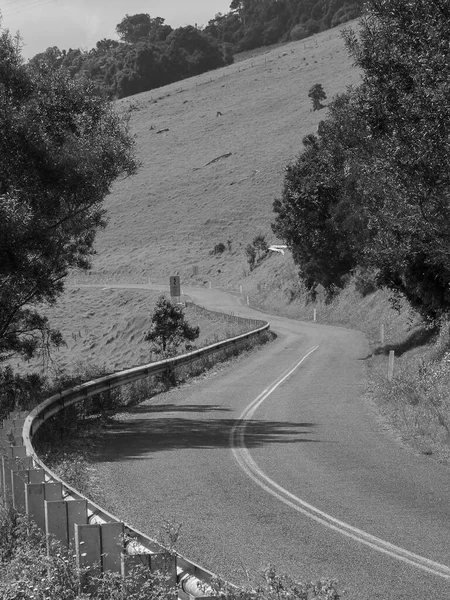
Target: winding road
279,458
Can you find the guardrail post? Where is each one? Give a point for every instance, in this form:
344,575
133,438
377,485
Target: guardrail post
160,561
16,452
112,546
19,480
88,546
76,515
56,522
8,466
35,496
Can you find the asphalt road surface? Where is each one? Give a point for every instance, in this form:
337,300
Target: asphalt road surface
279,458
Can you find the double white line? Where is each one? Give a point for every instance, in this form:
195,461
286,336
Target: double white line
249,466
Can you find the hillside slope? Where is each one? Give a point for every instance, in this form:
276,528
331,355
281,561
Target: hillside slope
169,216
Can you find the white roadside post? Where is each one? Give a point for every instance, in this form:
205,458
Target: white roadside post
382,333
391,365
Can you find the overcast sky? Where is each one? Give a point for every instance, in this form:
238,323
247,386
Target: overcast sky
81,23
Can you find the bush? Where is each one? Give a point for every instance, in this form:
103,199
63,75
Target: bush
218,249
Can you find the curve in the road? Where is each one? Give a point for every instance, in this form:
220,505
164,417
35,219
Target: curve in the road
254,472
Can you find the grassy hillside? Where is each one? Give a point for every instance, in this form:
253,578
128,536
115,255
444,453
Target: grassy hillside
169,216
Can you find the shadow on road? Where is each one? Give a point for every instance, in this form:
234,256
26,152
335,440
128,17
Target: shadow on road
133,438
158,408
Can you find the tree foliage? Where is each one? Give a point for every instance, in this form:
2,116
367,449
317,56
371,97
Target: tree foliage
169,328
253,23
383,155
61,148
317,94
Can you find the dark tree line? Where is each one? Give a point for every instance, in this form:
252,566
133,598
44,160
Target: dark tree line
371,190
254,23
150,54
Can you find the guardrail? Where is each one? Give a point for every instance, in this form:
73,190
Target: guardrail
99,538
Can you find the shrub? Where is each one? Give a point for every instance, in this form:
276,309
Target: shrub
218,248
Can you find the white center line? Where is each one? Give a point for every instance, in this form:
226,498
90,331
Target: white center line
254,472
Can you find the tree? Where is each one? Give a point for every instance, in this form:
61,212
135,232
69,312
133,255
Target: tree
317,215
142,27
404,52
317,94
169,329
372,189
61,147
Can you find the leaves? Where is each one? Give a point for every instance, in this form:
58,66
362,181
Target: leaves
169,328
61,148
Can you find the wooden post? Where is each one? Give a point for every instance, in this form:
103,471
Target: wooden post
391,365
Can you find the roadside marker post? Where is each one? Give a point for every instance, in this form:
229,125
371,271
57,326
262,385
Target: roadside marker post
315,315
391,365
382,333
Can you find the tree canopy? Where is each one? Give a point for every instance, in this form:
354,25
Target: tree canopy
378,168
61,147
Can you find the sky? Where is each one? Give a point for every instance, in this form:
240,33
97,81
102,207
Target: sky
81,23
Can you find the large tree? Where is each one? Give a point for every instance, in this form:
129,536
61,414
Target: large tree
390,153
61,147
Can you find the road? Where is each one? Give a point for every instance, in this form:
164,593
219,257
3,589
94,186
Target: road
279,458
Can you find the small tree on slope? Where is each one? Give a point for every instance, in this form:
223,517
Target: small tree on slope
317,94
169,329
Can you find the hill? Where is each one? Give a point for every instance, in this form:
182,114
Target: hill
170,216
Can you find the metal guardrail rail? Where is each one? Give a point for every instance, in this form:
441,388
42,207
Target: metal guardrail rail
29,485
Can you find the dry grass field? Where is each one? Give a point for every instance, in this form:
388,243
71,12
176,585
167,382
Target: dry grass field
169,217
104,328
